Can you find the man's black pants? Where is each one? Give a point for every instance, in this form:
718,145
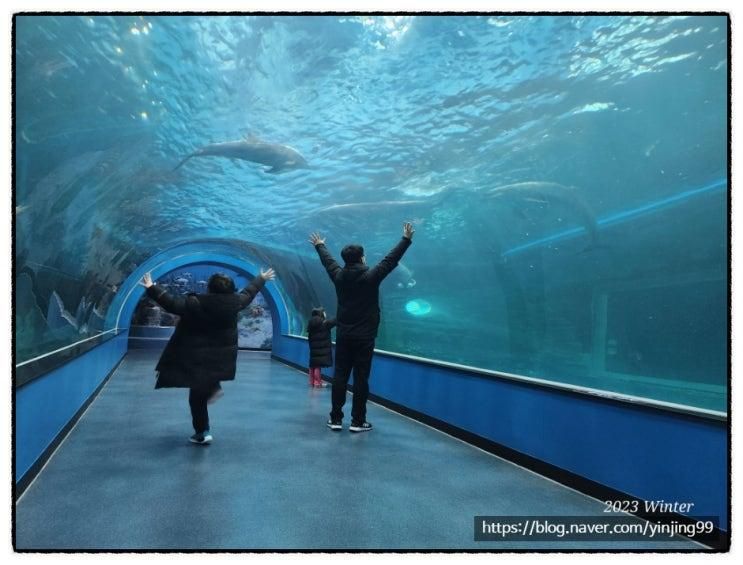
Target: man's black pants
352,355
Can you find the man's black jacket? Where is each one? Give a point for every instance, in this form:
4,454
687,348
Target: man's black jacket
357,288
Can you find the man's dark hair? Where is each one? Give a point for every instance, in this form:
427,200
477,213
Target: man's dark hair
219,283
319,311
352,253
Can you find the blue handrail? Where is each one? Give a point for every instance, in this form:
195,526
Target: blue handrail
623,216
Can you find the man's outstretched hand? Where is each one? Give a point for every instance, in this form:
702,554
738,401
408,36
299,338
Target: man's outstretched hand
408,230
316,240
268,274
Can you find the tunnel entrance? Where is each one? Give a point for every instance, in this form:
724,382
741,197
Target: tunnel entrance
151,326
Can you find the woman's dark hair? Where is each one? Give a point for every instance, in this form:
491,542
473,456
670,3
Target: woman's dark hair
319,311
219,283
352,253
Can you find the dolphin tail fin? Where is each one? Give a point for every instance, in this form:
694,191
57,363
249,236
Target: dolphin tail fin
179,165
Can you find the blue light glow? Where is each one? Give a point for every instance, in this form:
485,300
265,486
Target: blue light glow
418,307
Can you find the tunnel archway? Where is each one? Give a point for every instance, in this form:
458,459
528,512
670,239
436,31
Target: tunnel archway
152,325
219,254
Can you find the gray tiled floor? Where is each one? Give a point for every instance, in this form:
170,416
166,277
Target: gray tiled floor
275,476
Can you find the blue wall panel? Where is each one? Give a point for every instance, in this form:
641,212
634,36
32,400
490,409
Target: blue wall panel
158,332
45,405
294,350
645,452
149,337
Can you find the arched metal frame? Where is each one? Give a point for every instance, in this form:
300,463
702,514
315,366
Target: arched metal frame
122,307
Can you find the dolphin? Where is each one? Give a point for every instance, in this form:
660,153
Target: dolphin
278,158
381,206
549,193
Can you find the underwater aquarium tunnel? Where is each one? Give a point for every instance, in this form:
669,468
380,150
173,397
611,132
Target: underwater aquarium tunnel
563,306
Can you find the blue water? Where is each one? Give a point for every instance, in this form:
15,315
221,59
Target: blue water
566,176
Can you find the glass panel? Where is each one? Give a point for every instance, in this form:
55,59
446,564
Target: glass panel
566,176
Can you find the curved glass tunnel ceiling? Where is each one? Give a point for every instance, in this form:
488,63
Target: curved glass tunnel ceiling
566,176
